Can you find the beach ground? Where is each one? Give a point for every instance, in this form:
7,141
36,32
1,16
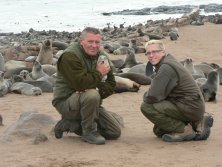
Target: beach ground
137,146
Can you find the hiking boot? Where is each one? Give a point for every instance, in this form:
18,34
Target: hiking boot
94,138
62,126
187,135
203,128
65,125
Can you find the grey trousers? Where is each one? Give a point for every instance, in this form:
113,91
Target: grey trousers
85,108
165,116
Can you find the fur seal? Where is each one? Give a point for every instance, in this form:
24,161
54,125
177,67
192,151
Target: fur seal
130,60
45,86
16,71
60,45
5,85
204,67
110,47
136,77
125,85
37,71
173,35
122,50
25,89
139,68
210,87
117,63
25,75
49,69
45,55
188,64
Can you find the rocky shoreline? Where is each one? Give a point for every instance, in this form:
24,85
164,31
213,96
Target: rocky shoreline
213,7
21,45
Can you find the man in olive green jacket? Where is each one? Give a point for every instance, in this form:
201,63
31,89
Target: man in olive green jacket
79,90
174,103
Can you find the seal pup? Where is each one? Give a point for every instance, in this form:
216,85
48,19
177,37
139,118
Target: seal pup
5,85
125,85
16,71
173,34
44,85
25,89
45,55
210,87
136,77
188,64
37,71
25,75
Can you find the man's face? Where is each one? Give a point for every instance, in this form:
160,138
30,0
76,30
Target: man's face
154,53
91,43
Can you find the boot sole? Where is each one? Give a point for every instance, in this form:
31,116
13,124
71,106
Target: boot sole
168,138
92,142
207,129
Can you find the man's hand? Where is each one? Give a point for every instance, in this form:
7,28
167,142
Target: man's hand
103,68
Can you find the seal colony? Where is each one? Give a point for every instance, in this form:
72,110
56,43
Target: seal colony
38,69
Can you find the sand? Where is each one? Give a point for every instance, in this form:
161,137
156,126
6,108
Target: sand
137,146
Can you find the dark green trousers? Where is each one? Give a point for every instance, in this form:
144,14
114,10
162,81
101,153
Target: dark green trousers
165,116
85,109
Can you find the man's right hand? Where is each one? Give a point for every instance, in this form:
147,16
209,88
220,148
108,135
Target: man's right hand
103,68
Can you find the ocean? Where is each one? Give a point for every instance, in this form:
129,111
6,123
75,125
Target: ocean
73,15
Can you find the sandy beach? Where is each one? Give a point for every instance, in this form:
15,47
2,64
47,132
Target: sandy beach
137,146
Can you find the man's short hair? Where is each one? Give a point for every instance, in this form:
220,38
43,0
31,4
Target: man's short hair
90,30
153,41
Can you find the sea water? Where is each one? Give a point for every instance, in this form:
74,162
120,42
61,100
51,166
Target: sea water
73,15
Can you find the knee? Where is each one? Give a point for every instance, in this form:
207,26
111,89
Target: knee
147,110
113,134
92,96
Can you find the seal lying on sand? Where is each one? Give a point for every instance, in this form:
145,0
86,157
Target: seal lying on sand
210,87
136,77
45,55
5,85
25,89
125,85
45,86
16,71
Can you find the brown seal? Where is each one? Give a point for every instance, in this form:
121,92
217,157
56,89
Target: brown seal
45,55
210,87
37,71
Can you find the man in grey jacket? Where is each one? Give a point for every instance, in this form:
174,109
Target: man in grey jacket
174,103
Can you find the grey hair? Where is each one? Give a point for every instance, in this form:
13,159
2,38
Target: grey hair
90,30
159,42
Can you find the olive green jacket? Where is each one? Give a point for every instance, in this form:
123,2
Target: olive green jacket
76,71
172,82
